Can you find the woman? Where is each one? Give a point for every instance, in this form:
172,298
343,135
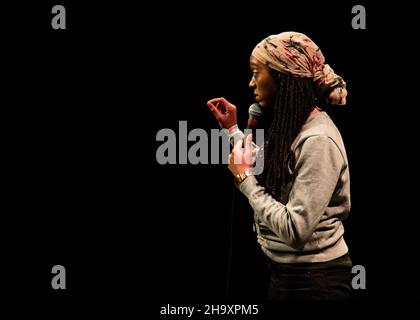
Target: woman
303,193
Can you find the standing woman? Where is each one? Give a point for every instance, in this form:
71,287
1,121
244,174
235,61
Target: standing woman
303,194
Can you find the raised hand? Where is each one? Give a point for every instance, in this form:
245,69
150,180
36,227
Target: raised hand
224,112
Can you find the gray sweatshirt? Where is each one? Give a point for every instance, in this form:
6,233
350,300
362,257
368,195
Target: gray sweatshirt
306,225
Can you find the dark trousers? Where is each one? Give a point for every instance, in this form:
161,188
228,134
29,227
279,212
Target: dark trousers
310,281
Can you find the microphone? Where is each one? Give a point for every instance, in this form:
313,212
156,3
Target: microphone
254,114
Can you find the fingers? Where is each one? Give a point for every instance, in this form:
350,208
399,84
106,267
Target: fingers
248,142
230,158
215,110
238,146
224,112
237,152
240,159
222,104
218,103
216,100
248,150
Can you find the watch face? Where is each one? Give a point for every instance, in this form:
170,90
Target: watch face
239,178
242,176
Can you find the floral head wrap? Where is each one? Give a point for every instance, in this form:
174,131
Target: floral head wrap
296,54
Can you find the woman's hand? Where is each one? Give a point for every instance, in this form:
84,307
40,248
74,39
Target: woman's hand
241,159
224,112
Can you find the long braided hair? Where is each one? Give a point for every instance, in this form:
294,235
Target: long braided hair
294,102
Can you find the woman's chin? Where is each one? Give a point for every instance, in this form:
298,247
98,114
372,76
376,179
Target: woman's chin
261,103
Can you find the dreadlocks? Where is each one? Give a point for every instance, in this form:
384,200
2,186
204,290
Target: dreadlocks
294,102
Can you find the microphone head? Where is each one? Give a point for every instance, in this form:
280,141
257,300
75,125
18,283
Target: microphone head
254,114
254,111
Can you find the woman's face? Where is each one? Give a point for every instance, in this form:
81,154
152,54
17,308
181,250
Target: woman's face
263,83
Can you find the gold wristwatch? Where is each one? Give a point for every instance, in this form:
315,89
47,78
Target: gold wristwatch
239,178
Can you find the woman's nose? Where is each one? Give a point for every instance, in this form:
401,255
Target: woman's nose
252,83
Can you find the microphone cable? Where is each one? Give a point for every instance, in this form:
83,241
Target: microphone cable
255,113
230,246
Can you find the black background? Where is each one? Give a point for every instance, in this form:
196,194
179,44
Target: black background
81,184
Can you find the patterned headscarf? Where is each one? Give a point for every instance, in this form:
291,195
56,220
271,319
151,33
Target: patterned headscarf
296,54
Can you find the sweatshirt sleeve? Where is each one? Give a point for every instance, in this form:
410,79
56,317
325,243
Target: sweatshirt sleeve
318,166
235,135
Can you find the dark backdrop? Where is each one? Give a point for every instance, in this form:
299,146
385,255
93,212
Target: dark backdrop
82,106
